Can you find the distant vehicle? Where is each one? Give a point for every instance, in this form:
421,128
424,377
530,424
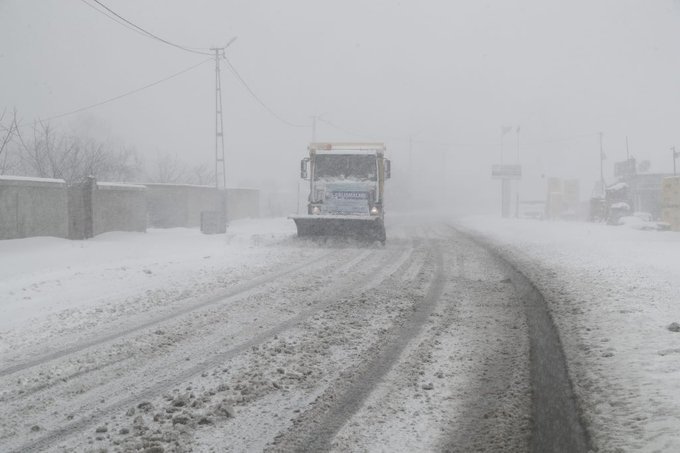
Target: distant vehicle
532,210
346,191
618,202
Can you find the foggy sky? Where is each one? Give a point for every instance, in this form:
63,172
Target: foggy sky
449,74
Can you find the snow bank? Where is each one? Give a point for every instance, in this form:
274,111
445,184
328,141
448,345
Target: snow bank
613,293
43,276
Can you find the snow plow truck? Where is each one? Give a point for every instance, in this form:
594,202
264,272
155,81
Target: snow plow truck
346,185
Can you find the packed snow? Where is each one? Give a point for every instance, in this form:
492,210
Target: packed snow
46,281
613,292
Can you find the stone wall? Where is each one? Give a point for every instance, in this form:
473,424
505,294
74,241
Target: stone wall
33,207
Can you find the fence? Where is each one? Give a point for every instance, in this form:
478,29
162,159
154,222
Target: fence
99,207
48,207
180,205
33,207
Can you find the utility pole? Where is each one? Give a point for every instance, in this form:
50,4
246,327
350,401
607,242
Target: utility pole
220,166
676,154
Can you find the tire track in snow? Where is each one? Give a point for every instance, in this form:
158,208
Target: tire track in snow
390,262
317,427
100,366
558,424
241,290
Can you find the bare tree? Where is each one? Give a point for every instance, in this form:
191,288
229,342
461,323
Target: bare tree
202,175
170,169
49,154
7,132
125,165
45,152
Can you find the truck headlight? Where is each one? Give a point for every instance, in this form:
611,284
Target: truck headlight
375,210
316,210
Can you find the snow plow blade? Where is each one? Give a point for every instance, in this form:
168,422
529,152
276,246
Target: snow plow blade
362,228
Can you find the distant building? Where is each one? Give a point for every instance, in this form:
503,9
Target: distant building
644,192
644,189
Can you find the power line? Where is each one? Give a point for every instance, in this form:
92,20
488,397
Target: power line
113,18
455,144
402,139
149,34
451,144
128,24
136,28
257,98
128,93
347,131
524,145
561,140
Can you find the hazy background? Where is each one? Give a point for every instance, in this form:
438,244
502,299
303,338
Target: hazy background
450,75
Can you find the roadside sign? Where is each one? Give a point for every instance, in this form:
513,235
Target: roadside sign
506,171
625,168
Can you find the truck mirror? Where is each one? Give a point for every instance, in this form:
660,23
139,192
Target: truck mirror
388,169
303,168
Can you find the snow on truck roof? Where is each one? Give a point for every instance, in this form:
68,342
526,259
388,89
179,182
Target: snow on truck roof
347,146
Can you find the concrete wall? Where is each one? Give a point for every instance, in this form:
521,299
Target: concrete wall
180,205
33,207
118,207
47,207
98,207
80,224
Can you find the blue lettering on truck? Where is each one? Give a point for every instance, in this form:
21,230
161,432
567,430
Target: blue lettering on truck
346,195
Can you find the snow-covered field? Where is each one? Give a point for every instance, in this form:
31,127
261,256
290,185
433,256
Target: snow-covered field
614,293
43,276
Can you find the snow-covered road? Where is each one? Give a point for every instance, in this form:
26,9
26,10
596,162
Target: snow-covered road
175,341
614,295
258,341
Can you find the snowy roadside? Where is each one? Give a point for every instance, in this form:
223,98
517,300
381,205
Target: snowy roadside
119,276
613,293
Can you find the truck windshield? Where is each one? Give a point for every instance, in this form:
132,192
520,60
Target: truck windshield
345,166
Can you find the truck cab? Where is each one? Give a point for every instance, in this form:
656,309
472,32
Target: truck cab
346,190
